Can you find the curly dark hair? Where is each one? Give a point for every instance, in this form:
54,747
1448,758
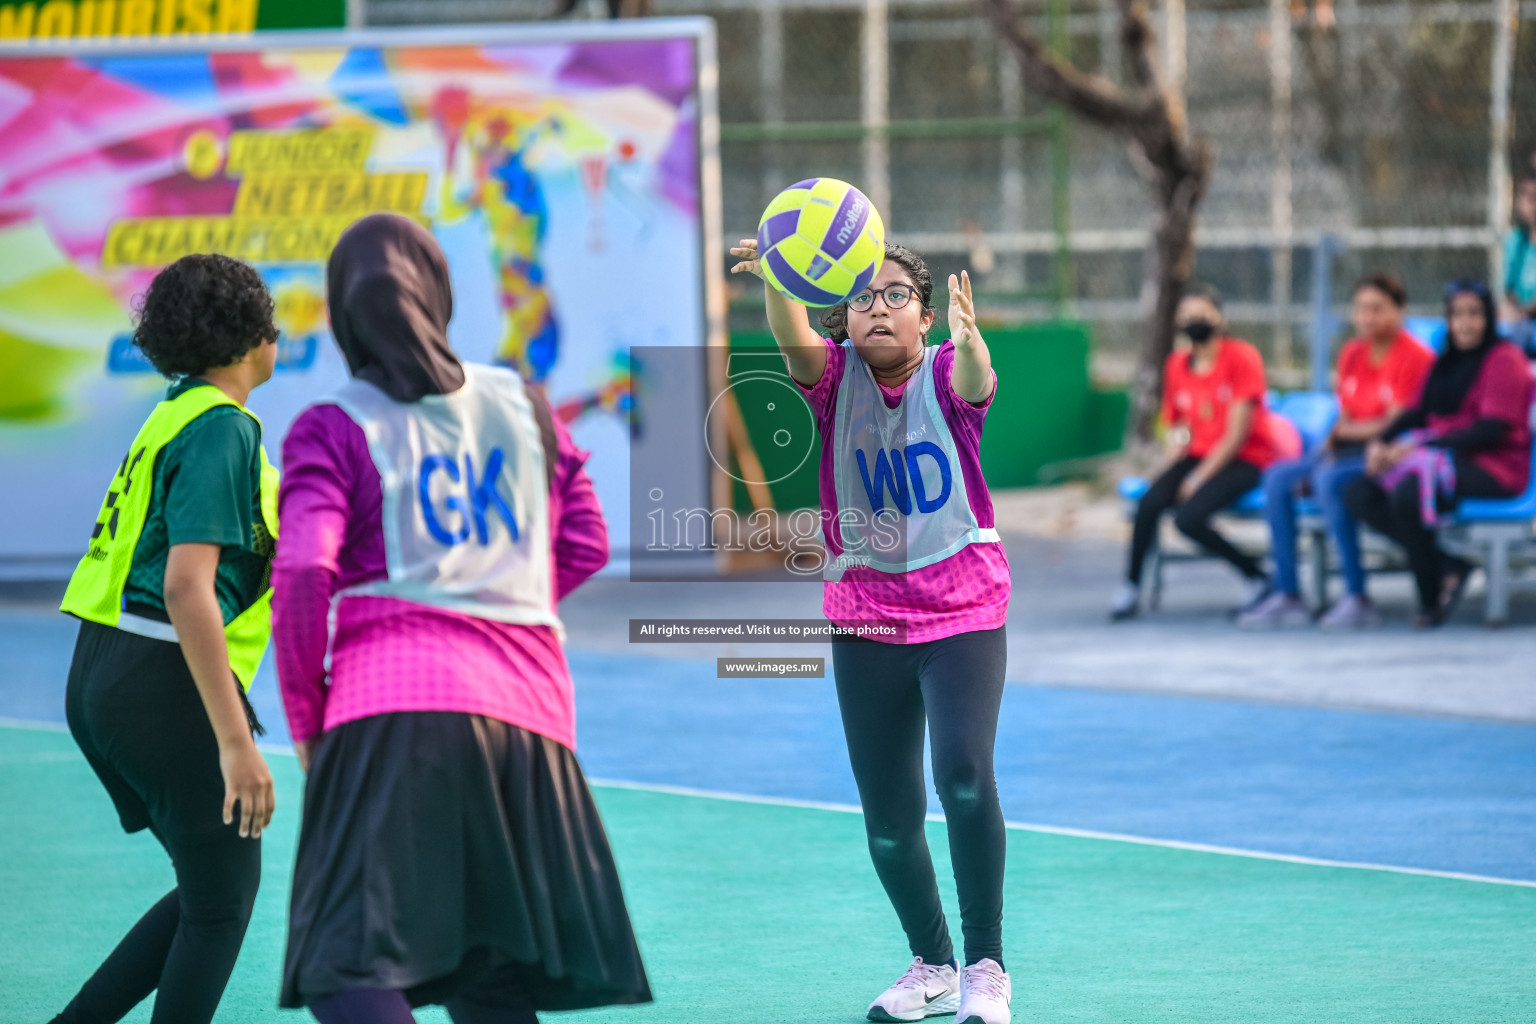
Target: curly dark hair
835,320
201,312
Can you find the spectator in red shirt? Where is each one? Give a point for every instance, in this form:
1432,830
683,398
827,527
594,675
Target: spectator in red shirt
1213,394
1468,436
1379,375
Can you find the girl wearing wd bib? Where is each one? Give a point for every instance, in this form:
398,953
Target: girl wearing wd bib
175,612
450,852
909,532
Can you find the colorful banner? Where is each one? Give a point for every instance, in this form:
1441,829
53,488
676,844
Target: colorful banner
562,178
43,20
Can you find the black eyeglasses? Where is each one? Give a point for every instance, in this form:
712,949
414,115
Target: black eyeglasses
893,295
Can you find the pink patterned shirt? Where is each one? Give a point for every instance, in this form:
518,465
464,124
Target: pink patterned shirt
393,655
967,591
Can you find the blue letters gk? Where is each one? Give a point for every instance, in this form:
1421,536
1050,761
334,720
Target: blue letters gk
479,496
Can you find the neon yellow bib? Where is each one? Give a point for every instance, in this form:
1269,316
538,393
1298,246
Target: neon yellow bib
96,589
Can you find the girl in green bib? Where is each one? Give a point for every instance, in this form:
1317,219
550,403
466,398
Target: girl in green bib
174,602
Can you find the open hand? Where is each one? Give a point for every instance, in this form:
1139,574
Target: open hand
962,310
1380,457
248,781
747,250
1373,458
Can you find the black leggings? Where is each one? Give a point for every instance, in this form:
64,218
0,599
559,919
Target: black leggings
885,691
135,711
1400,516
1193,517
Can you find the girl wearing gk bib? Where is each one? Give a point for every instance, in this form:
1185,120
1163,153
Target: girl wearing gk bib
450,850
908,525
174,606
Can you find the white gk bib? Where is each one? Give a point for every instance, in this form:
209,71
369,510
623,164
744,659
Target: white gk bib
901,498
466,505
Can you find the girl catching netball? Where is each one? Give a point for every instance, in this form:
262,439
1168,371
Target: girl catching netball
450,850
175,612
909,530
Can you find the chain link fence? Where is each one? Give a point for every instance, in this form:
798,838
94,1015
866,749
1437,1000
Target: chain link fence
1372,121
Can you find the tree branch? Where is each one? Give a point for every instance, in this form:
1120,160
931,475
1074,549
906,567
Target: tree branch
1175,166
1136,39
1090,96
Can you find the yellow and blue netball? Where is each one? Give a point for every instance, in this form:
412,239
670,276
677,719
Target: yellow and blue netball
820,241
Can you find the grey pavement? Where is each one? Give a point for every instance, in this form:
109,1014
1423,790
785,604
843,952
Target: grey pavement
1058,634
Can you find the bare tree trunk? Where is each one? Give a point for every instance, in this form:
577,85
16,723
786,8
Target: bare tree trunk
1169,265
1174,165
616,8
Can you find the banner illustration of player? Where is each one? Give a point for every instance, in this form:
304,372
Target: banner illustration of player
119,161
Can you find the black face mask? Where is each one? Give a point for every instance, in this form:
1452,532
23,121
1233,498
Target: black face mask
1200,331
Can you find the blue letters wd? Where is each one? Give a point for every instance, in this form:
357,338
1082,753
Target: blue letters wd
481,495
894,472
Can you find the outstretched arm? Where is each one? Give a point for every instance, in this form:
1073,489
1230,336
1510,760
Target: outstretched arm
972,376
802,347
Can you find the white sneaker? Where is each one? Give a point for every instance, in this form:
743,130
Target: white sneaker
1254,593
1277,611
985,993
1126,603
926,990
1351,612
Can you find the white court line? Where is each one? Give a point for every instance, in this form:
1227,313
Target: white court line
1055,830
1080,833
36,726
26,723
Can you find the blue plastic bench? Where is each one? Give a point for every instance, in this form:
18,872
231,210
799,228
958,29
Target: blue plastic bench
1313,415
1495,528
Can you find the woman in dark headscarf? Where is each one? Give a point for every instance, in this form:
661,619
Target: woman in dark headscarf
434,514
1469,437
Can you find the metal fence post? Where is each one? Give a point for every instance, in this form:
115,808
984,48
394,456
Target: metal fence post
1280,64
770,83
1508,13
1175,44
1325,324
1064,267
875,64
1010,273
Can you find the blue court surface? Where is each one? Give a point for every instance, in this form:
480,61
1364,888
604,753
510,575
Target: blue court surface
720,797
1430,794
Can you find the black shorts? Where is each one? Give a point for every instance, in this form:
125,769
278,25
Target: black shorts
136,713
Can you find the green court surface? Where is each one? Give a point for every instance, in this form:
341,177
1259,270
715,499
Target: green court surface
760,913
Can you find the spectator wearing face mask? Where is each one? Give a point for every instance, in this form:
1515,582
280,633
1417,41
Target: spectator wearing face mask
1213,398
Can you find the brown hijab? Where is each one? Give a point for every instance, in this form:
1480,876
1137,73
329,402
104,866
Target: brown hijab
390,302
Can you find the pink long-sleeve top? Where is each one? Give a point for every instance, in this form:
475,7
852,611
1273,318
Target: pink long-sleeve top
394,655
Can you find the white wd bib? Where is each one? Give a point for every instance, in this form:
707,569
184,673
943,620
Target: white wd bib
901,498
466,509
